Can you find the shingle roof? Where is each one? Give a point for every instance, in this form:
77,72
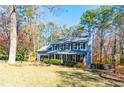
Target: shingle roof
68,52
83,37
67,40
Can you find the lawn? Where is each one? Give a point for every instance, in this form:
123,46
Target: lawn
49,76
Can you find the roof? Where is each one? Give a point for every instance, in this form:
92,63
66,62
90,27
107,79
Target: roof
67,40
83,35
44,48
83,38
68,52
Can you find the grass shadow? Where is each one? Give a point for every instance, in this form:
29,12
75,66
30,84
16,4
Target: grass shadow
81,79
73,78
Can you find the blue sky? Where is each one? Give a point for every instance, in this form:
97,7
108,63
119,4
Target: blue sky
67,14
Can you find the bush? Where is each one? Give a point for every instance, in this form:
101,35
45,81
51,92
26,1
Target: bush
32,59
79,65
20,58
122,61
3,57
55,61
52,61
46,60
74,64
70,64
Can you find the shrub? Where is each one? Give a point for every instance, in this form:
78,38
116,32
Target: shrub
46,60
52,61
79,65
122,61
20,58
55,61
74,64
32,59
3,57
70,64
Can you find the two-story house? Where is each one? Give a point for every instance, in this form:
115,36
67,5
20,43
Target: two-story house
67,49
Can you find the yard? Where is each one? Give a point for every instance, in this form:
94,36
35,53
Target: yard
50,76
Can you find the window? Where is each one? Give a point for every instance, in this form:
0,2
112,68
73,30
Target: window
55,47
74,46
64,46
67,46
78,45
82,46
60,47
71,46
52,48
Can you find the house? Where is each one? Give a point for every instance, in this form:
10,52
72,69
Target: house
68,49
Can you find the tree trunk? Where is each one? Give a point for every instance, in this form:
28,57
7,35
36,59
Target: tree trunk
13,36
101,45
105,55
121,51
113,54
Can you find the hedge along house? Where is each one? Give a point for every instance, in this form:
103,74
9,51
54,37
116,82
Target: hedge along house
68,49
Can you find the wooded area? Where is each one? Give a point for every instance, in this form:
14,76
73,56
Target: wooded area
21,33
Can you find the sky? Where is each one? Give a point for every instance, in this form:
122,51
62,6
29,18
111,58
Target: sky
65,15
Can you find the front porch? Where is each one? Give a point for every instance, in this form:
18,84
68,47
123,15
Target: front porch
67,57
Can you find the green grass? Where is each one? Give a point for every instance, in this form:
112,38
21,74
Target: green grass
49,76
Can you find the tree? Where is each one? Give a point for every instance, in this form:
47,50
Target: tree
118,23
13,35
19,17
76,31
104,17
4,31
88,20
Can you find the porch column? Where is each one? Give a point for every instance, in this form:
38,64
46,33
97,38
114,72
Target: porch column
48,56
61,59
54,56
38,57
79,58
66,57
75,58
